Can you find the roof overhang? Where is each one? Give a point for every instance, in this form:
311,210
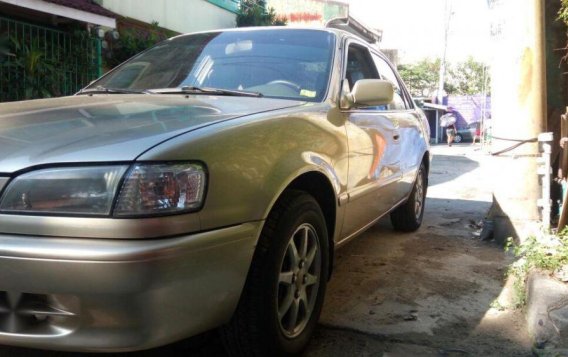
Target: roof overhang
63,11
352,25
436,106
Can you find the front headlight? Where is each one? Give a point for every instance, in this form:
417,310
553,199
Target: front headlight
64,191
161,189
147,189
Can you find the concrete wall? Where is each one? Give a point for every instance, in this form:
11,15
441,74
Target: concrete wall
178,15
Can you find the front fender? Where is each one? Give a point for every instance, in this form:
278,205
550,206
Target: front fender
295,166
252,160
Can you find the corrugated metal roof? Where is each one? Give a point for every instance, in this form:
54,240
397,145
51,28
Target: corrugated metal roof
84,5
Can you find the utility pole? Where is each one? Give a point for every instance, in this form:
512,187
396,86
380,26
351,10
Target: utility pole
519,112
442,75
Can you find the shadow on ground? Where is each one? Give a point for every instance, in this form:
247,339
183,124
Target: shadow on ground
446,168
208,344
429,293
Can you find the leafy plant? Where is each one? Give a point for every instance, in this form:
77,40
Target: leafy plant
495,304
33,72
535,254
563,12
256,13
45,63
5,47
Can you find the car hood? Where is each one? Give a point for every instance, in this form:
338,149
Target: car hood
102,128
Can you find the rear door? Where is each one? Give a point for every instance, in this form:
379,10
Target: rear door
374,140
409,122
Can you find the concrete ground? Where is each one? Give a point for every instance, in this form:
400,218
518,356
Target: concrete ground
436,292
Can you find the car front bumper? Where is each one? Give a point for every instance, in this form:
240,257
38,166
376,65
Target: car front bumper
107,295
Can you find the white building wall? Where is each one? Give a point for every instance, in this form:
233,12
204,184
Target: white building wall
178,15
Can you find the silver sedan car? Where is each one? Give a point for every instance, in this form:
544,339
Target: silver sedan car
203,184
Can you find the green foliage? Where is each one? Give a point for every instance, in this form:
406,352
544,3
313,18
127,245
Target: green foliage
536,255
255,13
35,74
495,304
40,73
421,77
4,47
518,271
45,64
563,12
467,78
133,41
464,78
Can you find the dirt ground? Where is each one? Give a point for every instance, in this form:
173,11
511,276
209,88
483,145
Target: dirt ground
430,293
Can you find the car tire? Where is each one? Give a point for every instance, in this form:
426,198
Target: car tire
408,216
283,295
458,139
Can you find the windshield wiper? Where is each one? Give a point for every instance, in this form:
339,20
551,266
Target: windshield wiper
206,90
104,90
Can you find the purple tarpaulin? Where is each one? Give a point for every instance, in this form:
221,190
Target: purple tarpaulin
469,108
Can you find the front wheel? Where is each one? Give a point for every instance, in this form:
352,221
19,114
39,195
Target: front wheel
458,138
283,295
408,216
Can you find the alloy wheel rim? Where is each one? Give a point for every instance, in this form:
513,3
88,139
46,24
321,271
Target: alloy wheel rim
299,281
419,196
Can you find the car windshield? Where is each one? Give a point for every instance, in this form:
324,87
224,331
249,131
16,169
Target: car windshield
290,64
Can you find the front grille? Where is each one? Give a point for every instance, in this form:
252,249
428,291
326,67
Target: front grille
23,313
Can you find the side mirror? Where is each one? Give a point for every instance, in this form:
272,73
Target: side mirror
369,92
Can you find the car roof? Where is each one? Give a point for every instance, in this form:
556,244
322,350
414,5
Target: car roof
340,34
336,32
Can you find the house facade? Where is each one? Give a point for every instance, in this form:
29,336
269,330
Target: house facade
178,15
